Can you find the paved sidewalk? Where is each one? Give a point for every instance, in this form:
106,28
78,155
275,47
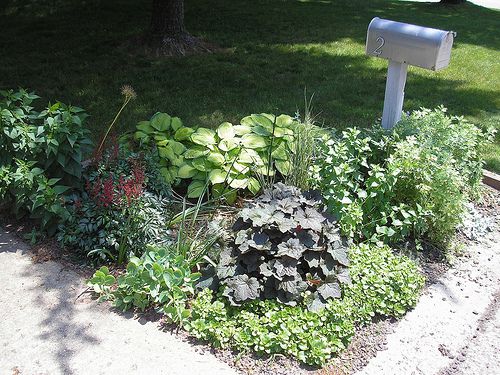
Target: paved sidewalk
455,327
45,330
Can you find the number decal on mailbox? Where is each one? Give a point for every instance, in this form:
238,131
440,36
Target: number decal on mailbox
378,50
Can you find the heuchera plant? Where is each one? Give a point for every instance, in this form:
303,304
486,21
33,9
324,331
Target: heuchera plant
284,247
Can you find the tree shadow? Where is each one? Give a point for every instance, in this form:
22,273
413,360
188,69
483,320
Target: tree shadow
53,290
273,53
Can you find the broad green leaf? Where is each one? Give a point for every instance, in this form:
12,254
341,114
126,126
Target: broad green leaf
228,144
183,133
177,147
283,166
195,189
238,183
60,189
254,185
250,156
253,141
201,164
217,176
204,137
260,130
284,121
280,152
176,123
196,152
145,127
140,136
166,175
216,158
160,121
166,152
242,129
187,171
225,130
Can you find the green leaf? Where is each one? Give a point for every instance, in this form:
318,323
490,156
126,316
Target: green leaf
176,123
145,127
238,183
216,158
177,147
228,144
204,137
280,152
195,189
253,185
253,141
160,121
186,171
242,129
60,189
183,133
201,164
217,176
196,152
283,166
225,130
284,121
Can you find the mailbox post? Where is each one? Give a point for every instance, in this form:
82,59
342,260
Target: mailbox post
404,44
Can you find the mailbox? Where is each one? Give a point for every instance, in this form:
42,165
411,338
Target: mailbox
409,44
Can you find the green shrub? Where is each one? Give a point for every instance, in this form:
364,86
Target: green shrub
231,156
439,166
41,155
451,140
359,189
383,284
411,182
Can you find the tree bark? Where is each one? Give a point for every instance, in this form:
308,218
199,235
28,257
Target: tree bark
167,35
167,18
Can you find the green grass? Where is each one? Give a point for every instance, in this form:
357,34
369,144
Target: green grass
73,51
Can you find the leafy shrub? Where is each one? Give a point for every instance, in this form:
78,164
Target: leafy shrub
450,139
412,182
41,155
231,155
284,246
439,168
359,189
156,279
382,284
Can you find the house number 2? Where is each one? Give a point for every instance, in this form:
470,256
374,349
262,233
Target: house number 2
377,51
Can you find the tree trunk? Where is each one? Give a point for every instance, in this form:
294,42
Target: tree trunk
167,35
167,18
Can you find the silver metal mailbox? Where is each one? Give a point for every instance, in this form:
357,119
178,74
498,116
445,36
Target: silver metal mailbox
409,44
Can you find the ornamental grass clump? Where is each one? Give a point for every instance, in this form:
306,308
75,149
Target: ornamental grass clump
286,248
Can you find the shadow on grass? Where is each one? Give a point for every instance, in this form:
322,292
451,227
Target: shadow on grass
72,51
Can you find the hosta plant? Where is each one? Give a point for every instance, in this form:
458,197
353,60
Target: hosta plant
229,157
284,247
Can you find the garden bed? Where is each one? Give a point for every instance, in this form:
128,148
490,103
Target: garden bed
271,237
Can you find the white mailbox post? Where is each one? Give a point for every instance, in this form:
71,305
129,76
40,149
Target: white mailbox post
404,44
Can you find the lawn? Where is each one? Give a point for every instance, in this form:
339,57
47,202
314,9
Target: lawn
271,51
